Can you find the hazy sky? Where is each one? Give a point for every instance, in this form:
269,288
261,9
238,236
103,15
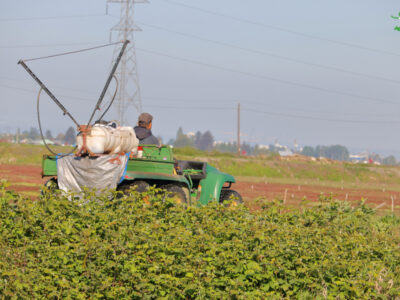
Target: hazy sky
319,72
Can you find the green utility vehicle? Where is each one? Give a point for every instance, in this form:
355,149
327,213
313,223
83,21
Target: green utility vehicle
187,181
190,182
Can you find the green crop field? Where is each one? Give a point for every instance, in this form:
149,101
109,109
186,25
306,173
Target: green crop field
298,171
142,246
139,246
26,154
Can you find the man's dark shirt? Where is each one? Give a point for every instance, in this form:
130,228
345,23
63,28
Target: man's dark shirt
145,136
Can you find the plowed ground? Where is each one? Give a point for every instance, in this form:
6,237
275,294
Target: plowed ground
27,180
294,194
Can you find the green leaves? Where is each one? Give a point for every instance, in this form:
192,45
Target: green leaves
141,247
397,18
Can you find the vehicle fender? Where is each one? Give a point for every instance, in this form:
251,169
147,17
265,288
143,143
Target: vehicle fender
211,185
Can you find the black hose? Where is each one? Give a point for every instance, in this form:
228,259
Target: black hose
113,98
41,131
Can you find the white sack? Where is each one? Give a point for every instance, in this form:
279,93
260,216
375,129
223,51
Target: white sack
103,172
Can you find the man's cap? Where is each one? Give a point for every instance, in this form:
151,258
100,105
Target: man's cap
145,118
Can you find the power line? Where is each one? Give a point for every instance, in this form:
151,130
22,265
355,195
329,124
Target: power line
280,114
16,88
264,53
320,119
53,86
189,107
92,100
51,17
35,91
255,51
72,52
276,28
270,78
317,111
202,100
285,108
49,45
208,108
215,100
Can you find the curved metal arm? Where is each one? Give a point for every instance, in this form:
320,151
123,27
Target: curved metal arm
42,86
108,81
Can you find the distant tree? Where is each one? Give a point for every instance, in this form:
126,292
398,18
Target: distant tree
33,133
182,140
48,135
308,151
390,161
226,147
337,152
197,140
60,137
272,148
206,141
257,150
246,148
179,133
24,134
375,157
70,136
319,151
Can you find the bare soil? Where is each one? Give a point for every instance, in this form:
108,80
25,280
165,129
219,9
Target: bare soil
22,178
293,194
27,179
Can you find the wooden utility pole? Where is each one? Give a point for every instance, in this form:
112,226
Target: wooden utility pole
17,136
238,129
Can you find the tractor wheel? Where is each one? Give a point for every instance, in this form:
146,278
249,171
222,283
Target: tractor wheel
140,186
50,186
177,193
233,198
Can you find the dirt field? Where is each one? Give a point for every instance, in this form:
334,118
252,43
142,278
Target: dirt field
27,180
23,179
293,194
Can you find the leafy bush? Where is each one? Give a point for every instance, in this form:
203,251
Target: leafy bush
139,246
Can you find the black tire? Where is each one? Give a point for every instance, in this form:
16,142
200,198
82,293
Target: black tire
139,186
232,197
176,192
50,185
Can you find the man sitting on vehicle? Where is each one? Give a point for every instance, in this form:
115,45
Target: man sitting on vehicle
143,130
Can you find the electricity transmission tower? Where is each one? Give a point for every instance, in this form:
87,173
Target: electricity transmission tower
127,74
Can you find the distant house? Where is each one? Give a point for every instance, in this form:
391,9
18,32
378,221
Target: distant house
190,134
218,143
359,158
264,147
48,142
285,153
